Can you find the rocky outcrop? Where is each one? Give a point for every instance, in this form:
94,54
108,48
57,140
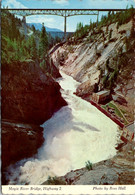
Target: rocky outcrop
100,64
86,88
121,100
30,96
118,170
50,68
19,141
115,171
89,58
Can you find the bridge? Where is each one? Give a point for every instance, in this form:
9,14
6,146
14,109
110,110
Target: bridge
59,12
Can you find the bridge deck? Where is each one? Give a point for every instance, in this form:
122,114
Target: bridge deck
59,12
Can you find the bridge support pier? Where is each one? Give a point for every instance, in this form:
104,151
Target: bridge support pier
24,26
97,17
65,26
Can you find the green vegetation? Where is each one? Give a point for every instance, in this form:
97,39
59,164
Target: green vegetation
14,46
117,111
55,181
18,48
81,31
109,75
88,165
12,40
95,28
117,70
43,43
119,17
110,34
70,49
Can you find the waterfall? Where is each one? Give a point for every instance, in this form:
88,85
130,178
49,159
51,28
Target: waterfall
75,134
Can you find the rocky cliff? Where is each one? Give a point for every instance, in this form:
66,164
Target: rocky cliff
30,96
100,61
118,170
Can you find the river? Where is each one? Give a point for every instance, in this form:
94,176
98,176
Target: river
75,134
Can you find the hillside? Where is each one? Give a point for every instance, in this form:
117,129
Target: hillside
103,58
38,26
54,32
80,92
99,62
30,94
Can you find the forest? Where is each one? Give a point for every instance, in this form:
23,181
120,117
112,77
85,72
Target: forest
118,17
18,47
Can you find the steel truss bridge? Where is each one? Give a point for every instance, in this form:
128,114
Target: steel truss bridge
59,12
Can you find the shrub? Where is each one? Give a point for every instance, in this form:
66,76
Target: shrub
55,181
117,27
132,33
107,28
122,32
113,40
110,34
70,49
88,165
43,64
98,54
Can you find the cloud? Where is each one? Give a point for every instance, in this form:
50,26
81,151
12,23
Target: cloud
12,4
49,21
40,19
61,2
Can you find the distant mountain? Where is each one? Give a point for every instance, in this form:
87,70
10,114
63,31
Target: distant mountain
38,26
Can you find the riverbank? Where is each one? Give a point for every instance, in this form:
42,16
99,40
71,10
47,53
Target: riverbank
76,130
100,64
118,170
30,96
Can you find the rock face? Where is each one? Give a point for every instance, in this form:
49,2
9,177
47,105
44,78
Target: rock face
102,64
29,96
118,170
90,56
86,88
121,100
19,141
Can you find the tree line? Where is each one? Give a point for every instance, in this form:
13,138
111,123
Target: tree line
120,18
16,47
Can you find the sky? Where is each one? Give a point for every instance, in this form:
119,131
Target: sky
58,21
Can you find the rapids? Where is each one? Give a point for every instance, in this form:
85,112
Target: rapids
75,134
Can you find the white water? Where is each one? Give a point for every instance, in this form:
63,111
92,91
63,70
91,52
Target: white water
75,134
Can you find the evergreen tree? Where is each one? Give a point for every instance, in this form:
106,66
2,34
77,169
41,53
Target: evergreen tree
110,34
43,43
33,29
33,50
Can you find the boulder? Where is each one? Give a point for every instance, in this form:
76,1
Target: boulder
19,141
86,88
121,100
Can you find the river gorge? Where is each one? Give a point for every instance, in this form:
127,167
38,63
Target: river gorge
75,134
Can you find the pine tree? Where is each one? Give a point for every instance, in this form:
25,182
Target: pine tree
43,43
110,34
33,50
33,29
